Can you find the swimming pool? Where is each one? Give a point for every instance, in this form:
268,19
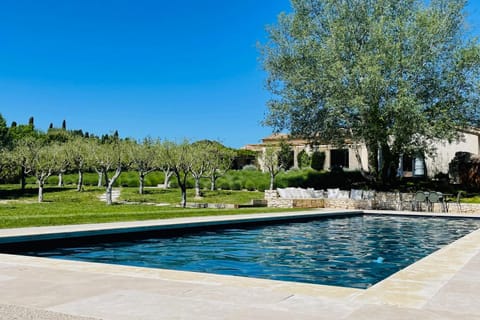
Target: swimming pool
353,251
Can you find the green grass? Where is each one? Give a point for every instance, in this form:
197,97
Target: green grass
471,199
66,206
173,196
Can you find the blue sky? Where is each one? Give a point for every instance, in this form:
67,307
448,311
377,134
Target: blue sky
166,69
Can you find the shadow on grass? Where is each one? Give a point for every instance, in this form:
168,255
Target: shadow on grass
14,194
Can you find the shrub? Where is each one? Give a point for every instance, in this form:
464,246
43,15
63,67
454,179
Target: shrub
262,185
304,160
235,185
223,184
250,185
153,179
285,155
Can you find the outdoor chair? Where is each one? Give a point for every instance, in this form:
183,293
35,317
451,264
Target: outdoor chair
456,199
420,199
333,193
356,194
436,197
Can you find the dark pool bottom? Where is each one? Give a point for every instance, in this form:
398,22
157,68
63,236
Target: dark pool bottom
356,251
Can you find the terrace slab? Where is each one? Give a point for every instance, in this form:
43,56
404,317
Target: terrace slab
444,285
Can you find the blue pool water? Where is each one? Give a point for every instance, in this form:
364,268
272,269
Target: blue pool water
353,252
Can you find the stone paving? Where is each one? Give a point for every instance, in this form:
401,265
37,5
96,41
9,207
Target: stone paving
444,285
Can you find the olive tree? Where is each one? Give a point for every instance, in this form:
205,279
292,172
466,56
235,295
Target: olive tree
4,134
200,164
111,156
8,166
40,159
22,136
79,153
180,159
271,163
163,162
144,157
221,159
393,75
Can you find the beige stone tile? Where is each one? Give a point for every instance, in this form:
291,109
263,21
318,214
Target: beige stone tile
455,302
369,312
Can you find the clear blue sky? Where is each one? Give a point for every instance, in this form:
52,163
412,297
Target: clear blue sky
167,69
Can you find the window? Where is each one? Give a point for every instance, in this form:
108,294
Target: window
339,158
407,163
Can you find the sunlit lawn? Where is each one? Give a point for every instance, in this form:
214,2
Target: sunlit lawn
67,206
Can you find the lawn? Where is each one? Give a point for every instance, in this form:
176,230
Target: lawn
67,206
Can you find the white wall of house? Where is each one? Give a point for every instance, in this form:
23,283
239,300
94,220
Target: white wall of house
470,142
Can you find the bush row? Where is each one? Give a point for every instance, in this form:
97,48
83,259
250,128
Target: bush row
233,180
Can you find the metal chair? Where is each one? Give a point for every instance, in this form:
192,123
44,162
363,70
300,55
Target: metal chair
436,197
456,200
421,197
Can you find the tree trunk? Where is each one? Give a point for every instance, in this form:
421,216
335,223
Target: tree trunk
105,177
166,182
80,181
23,181
388,165
142,182
40,191
60,179
108,195
213,183
272,179
100,178
182,184
198,194
110,184
183,202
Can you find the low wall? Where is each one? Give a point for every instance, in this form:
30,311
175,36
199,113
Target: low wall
349,204
465,208
382,201
308,203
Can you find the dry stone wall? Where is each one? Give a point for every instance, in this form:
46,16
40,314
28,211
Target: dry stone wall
380,201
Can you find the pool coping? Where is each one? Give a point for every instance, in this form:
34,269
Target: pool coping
416,289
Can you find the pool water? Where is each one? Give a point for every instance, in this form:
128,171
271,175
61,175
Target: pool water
352,252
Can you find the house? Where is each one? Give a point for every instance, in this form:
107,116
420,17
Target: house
354,156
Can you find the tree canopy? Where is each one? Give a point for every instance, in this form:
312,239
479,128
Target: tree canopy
391,74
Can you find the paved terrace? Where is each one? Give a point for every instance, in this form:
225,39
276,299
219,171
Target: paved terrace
444,285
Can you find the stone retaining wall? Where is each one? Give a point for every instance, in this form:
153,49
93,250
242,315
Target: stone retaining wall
348,204
382,201
308,203
465,208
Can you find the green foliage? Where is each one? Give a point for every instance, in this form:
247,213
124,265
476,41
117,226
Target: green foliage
391,74
250,185
4,136
304,160
465,170
236,185
285,155
318,160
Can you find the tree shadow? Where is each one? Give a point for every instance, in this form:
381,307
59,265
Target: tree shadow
15,194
